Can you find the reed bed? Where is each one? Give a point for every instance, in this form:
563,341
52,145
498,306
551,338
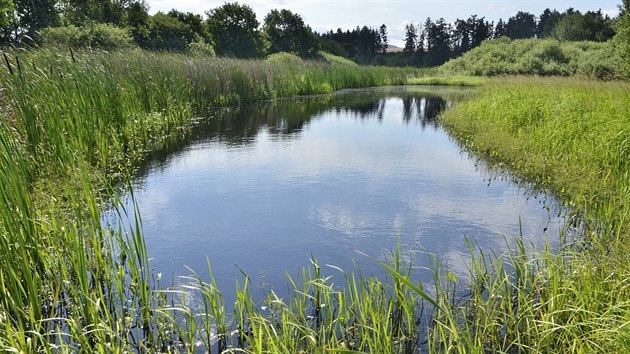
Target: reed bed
571,138
568,136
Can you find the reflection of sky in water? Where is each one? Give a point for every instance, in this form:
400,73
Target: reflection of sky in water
342,183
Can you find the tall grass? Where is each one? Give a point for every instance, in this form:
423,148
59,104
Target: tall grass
570,137
107,108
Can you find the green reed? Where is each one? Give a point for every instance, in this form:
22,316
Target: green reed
569,137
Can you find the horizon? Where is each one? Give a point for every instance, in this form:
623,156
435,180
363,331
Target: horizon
325,15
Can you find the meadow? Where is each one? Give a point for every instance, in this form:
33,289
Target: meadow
75,124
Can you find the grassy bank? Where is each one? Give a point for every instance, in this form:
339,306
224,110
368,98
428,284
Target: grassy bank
570,137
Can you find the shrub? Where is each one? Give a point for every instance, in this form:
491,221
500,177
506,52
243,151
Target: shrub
602,64
106,36
540,57
284,58
168,33
200,48
98,36
68,36
333,59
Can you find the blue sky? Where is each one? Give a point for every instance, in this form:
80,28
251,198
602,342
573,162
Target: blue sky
323,15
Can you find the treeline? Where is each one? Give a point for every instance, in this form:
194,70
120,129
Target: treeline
233,30
435,42
228,30
361,44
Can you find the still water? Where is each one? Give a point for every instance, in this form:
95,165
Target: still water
266,187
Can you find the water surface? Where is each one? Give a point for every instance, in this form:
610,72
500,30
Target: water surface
268,186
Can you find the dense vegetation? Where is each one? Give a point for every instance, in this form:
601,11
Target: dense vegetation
71,283
570,137
434,42
229,30
546,57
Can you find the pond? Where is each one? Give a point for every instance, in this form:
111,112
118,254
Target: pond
265,187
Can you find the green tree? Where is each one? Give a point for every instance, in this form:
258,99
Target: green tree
193,21
480,30
384,42
33,15
138,21
367,44
460,37
521,25
411,38
7,11
500,30
168,33
439,42
426,33
591,26
547,22
286,32
234,30
84,12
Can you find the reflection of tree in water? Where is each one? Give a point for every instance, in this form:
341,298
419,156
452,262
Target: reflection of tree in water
425,109
286,119
365,110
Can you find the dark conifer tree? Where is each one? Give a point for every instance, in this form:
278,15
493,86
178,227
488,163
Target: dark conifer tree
411,38
439,42
546,23
500,30
382,31
521,25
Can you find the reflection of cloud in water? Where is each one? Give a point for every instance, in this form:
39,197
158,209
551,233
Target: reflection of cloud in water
499,215
458,263
153,203
334,143
343,220
343,183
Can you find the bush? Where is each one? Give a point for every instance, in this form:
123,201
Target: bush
333,59
540,57
68,36
200,48
284,58
169,33
98,36
602,64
